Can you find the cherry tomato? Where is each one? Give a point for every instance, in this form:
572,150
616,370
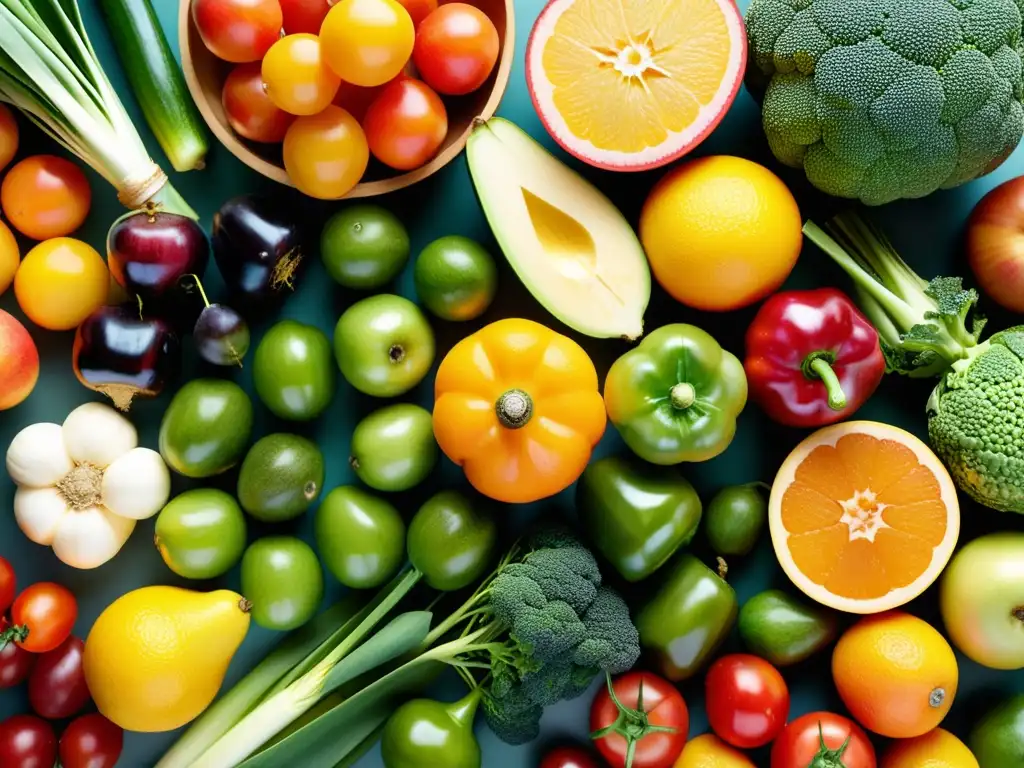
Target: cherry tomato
406,124
43,616
60,283
15,662
419,9
356,100
249,110
8,585
326,154
568,757
45,196
747,700
57,687
641,702
8,136
10,257
91,741
304,15
456,49
238,30
27,741
817,738
368,42
295,75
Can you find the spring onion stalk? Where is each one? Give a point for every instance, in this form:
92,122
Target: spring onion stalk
49,70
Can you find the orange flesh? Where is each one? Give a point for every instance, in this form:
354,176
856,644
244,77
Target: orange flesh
659,61
864,517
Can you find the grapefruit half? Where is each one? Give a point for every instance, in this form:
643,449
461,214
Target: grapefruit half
629,85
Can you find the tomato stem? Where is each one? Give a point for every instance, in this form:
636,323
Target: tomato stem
828,758
631,724
16,633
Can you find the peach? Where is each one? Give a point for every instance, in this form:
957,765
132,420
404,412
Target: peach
19,362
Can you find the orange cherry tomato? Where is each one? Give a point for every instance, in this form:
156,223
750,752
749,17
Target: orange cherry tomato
518,408
456,49
238,30
406,124
419,9
296,77
42,617
368,42
356,100
60,283
45,196
8,136
10,257
326,154
250,111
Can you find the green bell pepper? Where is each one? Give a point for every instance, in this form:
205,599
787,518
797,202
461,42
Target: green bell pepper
636,515
676,396
687,619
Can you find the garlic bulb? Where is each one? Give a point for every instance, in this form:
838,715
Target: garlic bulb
82,486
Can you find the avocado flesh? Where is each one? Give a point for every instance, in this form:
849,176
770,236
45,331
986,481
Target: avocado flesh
571,247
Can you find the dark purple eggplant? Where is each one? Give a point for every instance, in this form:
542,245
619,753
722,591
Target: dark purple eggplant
149,252
122,355
259,250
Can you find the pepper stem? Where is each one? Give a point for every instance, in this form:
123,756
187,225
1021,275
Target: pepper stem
514,409
819,366
682,395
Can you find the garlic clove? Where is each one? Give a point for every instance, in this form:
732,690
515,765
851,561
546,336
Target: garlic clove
37,456
87,538
96,434
39,512
136,485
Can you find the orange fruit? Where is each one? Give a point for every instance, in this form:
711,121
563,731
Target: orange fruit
721,232
863,516
709,751
896,674
10,257
936,749
633,86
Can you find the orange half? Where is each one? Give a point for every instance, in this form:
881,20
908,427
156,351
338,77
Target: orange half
863,516
634,84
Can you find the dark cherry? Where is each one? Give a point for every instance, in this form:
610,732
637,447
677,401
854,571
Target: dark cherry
122,355
258,249
150,251
221,335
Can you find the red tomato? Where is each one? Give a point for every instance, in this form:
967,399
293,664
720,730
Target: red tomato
250,111
57,687
820,736
356,99
238,30
15,662
7,585
640,701
747,700
91,741
456,49
568,757
406,124
419,9
304,15
27,741
43,616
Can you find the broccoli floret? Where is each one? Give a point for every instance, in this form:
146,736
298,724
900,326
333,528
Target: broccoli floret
569,575
557,681
884,99
612,642
514,718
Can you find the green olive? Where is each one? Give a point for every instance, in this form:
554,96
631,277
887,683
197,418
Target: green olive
450,541
734,519
361,537
393,449
282,579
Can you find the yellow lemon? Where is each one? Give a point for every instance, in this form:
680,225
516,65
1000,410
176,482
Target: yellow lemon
936,749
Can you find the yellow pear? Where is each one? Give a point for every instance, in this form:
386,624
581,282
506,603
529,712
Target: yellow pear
156,657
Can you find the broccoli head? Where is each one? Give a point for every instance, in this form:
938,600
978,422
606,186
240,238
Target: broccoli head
514,717
886,99
557,681
612,643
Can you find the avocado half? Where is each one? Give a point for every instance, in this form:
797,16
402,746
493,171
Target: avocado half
569,244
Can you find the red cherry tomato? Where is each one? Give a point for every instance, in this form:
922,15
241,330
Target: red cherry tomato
43,616
250,111
7,585
419,9
456,49
568,757
238,30
304,15
27,741
817,738
356,99
91,741
57,687
15,662
664,708
747,700
406,124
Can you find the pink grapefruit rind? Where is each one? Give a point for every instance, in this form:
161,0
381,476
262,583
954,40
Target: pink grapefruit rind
541,90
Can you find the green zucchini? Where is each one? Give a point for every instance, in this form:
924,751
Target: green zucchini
157,81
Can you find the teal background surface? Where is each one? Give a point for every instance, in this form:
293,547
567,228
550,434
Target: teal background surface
928,232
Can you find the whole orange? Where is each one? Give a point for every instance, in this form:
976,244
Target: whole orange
721,232
896,674
936,749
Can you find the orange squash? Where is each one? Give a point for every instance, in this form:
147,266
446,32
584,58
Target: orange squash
517,406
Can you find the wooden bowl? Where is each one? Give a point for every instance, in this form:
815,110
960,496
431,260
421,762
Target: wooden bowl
205,75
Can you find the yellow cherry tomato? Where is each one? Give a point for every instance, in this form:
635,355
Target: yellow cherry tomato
8,136
296,77
60,283
10,257
326,154
709,751
368,42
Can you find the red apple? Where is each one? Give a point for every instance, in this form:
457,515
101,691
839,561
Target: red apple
19,362
995,244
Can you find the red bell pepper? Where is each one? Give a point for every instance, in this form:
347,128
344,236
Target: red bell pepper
812,358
